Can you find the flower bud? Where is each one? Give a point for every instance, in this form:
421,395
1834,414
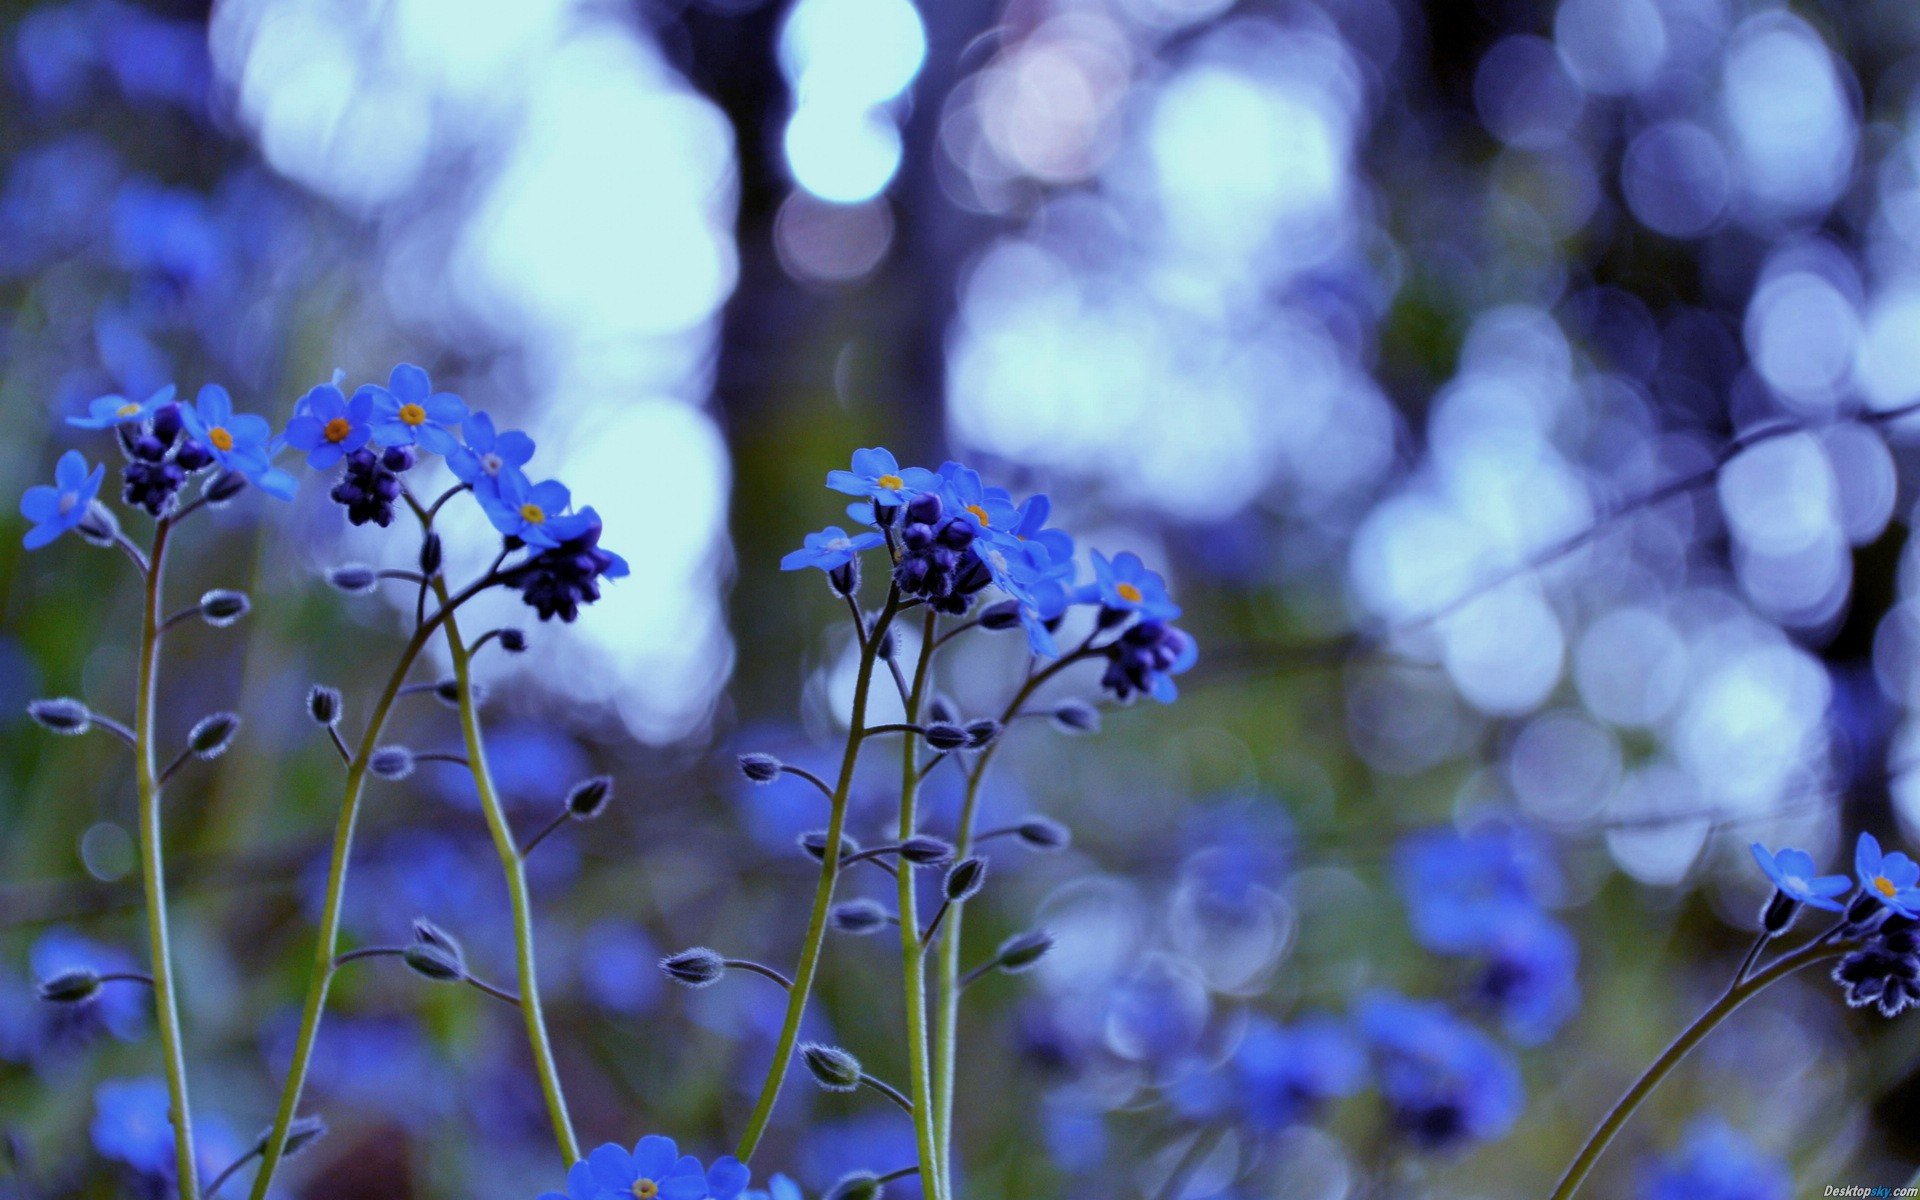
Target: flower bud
99,527
814,842
859,917
433,962
323,704
1019,952
353,578
210,738
1004,615
224,487
427,932
942,708
513,641
697,967
981,732
589,797
391,763
889,644
857,1185
965,879
63,715
760,768
925,851
943,736
221,607
70,986
1778,914
1076,716
831,1067
844,580
302,1133
1043,834
431,555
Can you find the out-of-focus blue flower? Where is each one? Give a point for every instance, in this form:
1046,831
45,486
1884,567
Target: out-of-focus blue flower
1444,1082
120,1010
1462,889
1795,876
1124,584
778,1188
1236,852
408,412
654,1170
1531,978
329,426
130,1125
1076,1134
618,967
529,511
831,547
105,412
1145,658
168,233
56,509
488,453
1278,1075
878,476
872,1141
1157,1014
1889,878
1713,1162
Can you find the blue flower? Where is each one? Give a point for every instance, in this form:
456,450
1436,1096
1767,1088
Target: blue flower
1279,1075
831,547
1123,584
778,1188
1030,525
1888,878
1716,1163
1145,658
329,426
1462,890
54,510
1530,979
655,1170
238,441
1445,1082
130,1125
988,508
558,581
408,411
877,475
1794,875
487,454
108,411
529,511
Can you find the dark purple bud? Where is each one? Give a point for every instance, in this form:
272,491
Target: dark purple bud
1076,716
760,768
831,1067
70,986
221,607
981,732
926,851
944,736
64,715
1004,615
1021,951
323,704
225,486
923,509
589,797
697,967
859,917
1044,834
965,879
391,763
213,734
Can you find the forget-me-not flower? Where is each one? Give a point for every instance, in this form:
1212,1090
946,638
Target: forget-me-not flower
655,1170
1794,875
109,411
408,412
879,477
488,453
56,509
1888,878
831,547
532,512
1124,584
328,426
238,441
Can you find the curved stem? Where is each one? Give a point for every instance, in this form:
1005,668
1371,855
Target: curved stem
153,870
822,897
913,948
320,978
518,893
1734,997
1197,1150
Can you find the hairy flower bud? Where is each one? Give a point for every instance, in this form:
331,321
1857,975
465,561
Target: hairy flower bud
391,763
70,986
323,704
302,1133
831,1067
760,768
965,879
857,1185
589,797
981,732
63,715
943,736
1043,834
213,734
224,487
925,851
99,527
1076,716
433,962
859,917
1019,952
353,578
222,607
814,842
696,967
513,641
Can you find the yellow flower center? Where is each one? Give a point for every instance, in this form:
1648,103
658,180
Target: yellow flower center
221,439
1129,593
891,482
338,429
1885,886
979,514
127,410
533,514
646,1189
413,414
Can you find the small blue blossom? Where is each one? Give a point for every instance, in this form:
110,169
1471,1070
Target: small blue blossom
1888,878
1530,979
130,1125
1278,1075
1445,1082
408,411
488,454
988,508
655,1170
1463,889
109,411
328,426
529,511
1795,876
831,547
878,476
1714,1162
56,509
778,1188
238,441
1124,584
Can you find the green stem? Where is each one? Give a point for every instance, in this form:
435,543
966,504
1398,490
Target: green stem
517,892
327,945
153,868
947,978
822,895
913,951
1733,998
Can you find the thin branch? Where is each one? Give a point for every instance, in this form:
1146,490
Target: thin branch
536,839
889,1091
760,969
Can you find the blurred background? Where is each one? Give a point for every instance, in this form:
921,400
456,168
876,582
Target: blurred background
1511,392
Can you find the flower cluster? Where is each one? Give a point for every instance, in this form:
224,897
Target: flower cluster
950,536
1881,921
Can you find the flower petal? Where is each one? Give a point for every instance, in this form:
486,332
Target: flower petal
409,383
612,1166
653,1155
